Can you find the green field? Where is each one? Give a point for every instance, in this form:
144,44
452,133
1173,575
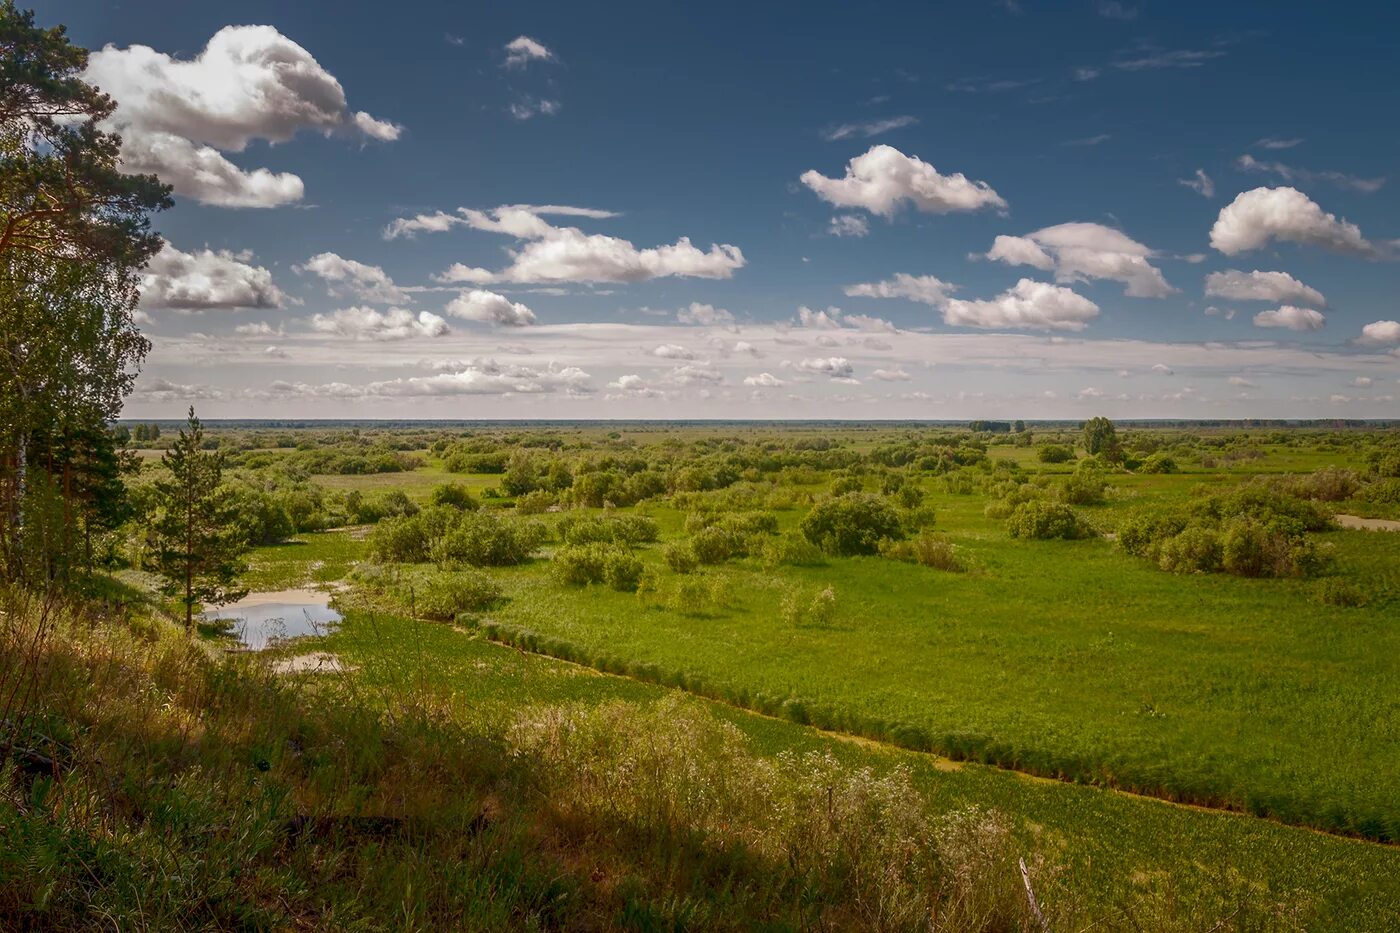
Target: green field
1158,741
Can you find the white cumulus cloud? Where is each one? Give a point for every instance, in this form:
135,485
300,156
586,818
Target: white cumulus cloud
925,289
522,50
567,254
1291,317
1278,287
1079,252
365,323
1028,304
883,179
1260,215
1381,333
362,281
177,117
487,307
206,279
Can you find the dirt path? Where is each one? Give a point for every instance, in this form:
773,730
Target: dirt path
1367,524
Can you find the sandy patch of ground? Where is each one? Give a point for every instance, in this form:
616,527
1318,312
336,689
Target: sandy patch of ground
316,662
1367,524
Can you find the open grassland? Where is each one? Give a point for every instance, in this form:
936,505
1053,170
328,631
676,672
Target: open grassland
1108,849
1214,690
690,559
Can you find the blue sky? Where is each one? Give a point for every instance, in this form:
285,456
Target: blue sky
859,162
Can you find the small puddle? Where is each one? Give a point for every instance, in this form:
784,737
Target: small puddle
260,619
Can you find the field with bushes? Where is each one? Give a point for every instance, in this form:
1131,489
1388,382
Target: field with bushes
1057,613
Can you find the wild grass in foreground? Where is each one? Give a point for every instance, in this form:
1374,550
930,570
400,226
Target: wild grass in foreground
151,784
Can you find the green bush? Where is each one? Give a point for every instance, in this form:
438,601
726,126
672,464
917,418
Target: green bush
1342,593
453,495
1042,520
925,548
680,557
792,549
1158,463
445,595
854,523
535,503
1054,453
401,540
797,608
598,562
1195,549
1085,486
484,539
717,544
620,529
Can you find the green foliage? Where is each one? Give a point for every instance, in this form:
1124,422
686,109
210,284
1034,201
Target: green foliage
1158,463
1085,486
854,523
597,562
199,543
1042,520
484,539
680,557
445,596
925,548
618,529
801,608
1101,437
454,495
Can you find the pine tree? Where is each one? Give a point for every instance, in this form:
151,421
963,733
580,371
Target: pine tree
199,544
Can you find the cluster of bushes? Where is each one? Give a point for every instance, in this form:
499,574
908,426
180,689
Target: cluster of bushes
697,595
1041,519
852,524
1054,453
440,595
1252,531
598,562
612,529
453,537
799,608
928,549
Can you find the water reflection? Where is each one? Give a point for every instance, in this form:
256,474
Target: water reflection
260,619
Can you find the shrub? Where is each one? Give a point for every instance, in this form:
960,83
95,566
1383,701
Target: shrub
1332,484
1043,520
799,608
483,539
455,496
919,518
1342,593
1158,463
622,570
598,562
1196,549
680,557
792,549
1085,486
845,484
716,544
854,523
446,595
535,503
1054,453
621,529
928,549
401,540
